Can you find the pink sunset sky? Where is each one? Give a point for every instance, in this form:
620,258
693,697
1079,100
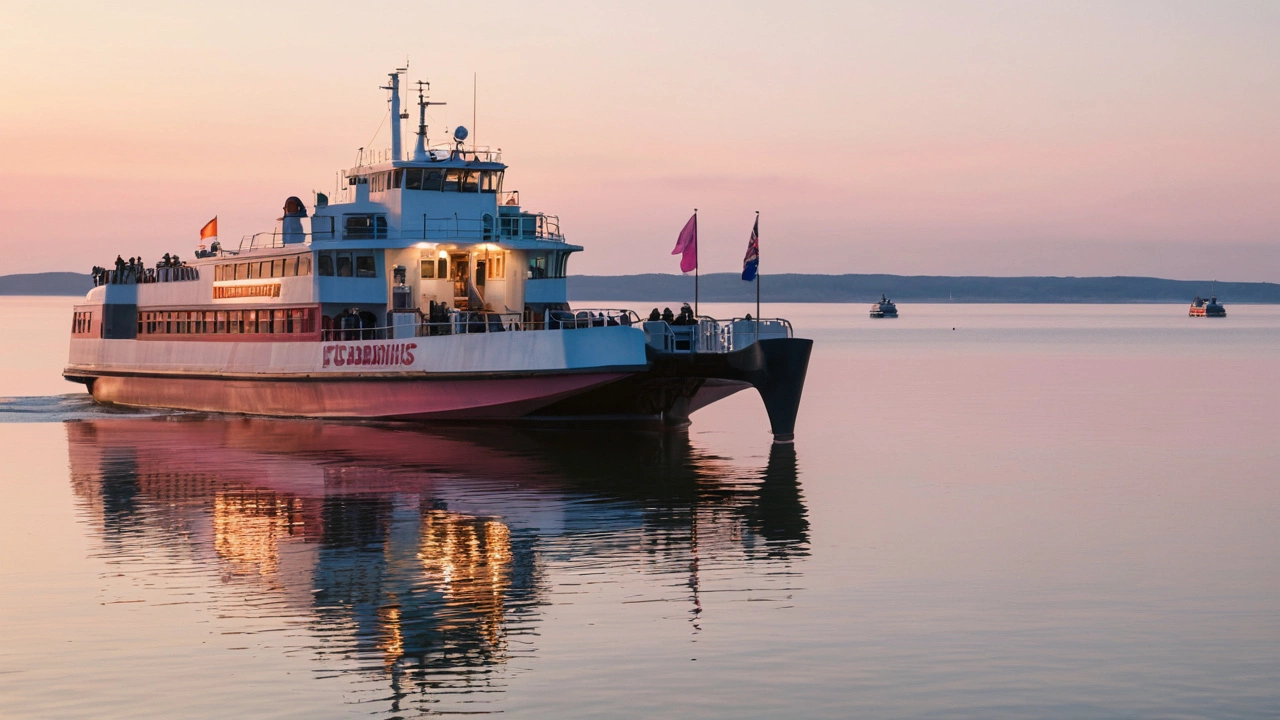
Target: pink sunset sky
990,138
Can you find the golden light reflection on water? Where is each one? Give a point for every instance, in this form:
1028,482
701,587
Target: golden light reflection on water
423,573
391,639
469,559
249,526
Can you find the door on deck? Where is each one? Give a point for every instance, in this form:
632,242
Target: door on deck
461,264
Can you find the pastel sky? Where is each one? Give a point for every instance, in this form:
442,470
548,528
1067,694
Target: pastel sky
994,138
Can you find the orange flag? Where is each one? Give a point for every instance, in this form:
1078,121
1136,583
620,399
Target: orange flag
210,229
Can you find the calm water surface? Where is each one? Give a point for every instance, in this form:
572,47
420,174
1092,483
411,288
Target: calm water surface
1047,511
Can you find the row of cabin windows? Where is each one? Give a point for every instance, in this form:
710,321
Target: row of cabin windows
81,323
291,266
232,322
438,179
338,263
547,264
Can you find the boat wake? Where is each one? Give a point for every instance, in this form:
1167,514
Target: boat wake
63,408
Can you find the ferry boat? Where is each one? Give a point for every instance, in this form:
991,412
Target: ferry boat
1207,308
884,309
422,290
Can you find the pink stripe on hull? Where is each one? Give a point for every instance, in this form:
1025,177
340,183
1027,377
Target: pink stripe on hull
419,399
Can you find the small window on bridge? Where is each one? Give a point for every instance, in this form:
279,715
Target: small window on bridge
492,181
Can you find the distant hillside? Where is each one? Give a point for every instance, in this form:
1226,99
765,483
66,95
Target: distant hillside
50,283
729,287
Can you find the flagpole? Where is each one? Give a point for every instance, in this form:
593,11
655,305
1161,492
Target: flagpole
695,262
757,276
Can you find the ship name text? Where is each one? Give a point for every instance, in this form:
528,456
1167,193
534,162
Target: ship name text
369,355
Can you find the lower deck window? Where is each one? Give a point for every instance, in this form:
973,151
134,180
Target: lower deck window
282,321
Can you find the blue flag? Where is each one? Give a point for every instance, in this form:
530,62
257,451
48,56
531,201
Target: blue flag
751,263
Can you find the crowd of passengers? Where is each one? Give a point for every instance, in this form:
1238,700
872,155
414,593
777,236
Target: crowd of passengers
685,317
135,271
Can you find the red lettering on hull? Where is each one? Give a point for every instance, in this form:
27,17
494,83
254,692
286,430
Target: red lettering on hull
368,355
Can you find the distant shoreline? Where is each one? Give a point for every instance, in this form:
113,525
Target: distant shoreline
815,288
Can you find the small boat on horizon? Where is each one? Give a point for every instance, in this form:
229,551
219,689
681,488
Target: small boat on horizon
1207,308
884,309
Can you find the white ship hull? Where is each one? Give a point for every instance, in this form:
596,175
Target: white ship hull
482,376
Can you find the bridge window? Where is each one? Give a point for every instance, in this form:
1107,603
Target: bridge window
344,264
365,266
470,180
325,261
413,179
492,181
451,180
425,179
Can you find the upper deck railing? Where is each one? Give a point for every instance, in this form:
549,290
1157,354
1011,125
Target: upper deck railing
136,275
703,335
523,226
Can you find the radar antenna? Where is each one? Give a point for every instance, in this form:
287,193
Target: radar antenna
420,150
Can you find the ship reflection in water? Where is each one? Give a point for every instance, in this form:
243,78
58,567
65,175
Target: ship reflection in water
424,559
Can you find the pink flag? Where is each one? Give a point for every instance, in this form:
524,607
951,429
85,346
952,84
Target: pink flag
687,245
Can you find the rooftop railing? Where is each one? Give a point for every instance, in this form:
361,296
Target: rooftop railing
371,158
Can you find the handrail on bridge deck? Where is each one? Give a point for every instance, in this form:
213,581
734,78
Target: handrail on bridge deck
526,226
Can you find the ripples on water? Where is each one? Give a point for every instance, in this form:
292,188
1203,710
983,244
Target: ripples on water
1049,511
414,567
